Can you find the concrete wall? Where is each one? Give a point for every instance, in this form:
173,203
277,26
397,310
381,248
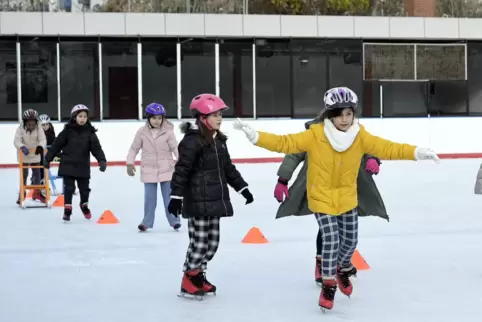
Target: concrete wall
212,25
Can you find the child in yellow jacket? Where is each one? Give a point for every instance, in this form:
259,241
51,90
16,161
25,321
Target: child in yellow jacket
335,148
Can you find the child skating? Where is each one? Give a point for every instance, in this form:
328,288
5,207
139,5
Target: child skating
200,189
77,141
158,143
334,149
294,202
50,135
30,136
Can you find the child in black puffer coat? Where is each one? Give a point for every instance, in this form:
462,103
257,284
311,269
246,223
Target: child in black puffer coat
76,141
199,189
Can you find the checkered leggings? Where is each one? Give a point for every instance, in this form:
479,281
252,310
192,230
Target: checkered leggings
340,238
203,242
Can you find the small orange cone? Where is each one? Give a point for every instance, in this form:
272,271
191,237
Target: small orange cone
59,202
359,262
254,236
108,218
29,194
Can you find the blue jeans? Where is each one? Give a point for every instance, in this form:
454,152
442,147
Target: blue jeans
150,203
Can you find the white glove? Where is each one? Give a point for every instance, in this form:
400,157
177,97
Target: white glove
251,134
426,154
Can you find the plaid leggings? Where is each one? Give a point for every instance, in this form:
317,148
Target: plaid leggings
203,242
340,238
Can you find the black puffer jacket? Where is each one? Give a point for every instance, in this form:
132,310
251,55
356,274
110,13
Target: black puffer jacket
50,135
76,143
202,175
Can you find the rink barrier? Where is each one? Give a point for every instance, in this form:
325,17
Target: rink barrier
257,160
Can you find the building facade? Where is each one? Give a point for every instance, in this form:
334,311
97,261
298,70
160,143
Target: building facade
261,65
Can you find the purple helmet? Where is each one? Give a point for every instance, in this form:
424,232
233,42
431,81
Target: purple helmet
155,109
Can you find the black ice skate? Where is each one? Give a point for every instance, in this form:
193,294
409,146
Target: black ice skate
142,228
192,285
85,210
67,212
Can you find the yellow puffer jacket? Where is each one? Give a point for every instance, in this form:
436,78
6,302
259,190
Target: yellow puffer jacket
332,176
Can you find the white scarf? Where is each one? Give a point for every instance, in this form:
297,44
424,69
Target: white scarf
339,140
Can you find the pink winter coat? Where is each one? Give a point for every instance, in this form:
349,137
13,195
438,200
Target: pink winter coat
158,145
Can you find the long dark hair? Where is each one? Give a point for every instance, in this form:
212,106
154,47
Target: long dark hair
206,135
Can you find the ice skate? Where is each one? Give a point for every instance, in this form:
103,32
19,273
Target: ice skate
142,228
24,196
67,213
37,195
192,285
176,227
85,210
343,279
208,288
327,295
318,275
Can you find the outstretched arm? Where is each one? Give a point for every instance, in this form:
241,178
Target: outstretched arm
287,144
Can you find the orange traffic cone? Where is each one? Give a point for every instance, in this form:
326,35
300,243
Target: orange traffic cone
29,194
254,236
359,262
59,202
108,218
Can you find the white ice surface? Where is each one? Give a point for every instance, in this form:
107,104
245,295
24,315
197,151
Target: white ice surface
426,264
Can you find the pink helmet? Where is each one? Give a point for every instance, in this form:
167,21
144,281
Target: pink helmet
205,104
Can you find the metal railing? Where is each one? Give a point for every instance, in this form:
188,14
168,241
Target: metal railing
444,8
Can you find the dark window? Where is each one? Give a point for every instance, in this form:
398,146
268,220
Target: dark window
236,77
8,76
119,79
309,77
198,71
402,98
39,77
79,77
447,98
346,67
159,75
475,77
273,78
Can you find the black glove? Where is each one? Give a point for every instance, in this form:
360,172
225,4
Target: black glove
46,164
39,150
175,207
102,166
248,196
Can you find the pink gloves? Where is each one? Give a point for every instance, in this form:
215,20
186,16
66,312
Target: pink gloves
281,189
372,166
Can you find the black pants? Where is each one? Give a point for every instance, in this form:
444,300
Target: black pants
69,189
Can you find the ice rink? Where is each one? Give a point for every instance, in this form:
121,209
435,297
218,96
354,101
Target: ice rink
426,263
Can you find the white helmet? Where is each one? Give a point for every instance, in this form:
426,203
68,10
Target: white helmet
44,119
340,97
77,108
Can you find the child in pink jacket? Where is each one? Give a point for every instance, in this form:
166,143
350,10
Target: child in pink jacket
158,143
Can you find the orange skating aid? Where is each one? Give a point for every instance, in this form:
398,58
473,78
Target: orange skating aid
108,218
359,262
254,236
